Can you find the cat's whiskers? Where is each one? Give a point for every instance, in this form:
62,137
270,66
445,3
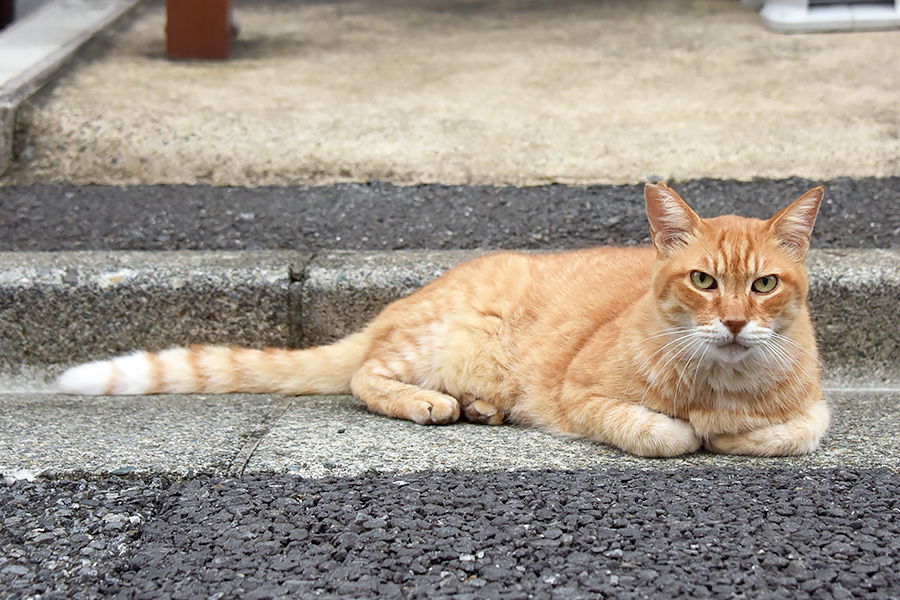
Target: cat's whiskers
651,376
653,373
782,360
790,368
689,341
799,368
667,331
781,338
687,363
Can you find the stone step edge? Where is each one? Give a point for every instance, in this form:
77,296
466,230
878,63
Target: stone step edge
57,308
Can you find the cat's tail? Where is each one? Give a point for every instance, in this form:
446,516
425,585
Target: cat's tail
219,369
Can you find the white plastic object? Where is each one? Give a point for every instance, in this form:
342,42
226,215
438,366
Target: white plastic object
809,16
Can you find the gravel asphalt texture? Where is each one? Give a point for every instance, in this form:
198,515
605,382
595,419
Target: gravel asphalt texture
856,214
689,533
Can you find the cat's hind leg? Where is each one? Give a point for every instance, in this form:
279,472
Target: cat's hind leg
384,394
800,435
480,411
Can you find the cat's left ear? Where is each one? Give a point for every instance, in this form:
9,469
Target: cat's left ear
672,222
793,225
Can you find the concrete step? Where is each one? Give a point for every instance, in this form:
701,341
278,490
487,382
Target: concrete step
318,436
65,307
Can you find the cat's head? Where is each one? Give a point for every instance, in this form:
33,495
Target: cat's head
732,283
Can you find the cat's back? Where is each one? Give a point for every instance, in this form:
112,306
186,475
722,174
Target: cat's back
547,287
604,278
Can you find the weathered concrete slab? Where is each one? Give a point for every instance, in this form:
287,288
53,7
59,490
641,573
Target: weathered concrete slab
336,435
855,306
76,306
470,92
176,435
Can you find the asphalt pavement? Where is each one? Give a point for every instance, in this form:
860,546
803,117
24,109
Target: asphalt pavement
857,213
587,534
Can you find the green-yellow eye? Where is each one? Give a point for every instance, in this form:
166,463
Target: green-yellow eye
765,284
703,280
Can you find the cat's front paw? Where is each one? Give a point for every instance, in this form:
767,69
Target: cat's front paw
433,408
664,437
799,435
769,441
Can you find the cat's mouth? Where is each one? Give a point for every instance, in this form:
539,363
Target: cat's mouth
733,350
733,345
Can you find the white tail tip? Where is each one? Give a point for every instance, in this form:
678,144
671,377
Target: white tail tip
124,375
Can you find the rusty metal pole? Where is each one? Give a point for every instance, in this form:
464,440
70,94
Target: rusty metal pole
198,29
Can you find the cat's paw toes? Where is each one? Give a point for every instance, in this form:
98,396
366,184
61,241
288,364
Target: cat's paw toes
666,437
436,409
484,413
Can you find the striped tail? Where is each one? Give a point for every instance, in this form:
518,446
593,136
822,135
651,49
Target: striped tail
221,370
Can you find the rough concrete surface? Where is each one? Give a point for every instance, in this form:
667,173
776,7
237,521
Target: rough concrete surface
456,91
82,306
854,303
319,436
183,436
342,291
68,307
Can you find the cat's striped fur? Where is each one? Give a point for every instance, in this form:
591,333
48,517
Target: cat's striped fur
658,351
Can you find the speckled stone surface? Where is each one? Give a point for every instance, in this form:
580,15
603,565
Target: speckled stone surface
76,306
7,123
855,306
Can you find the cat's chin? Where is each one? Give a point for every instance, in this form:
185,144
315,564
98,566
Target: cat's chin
732,352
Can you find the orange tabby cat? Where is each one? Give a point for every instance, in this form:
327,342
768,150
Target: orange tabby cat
703,340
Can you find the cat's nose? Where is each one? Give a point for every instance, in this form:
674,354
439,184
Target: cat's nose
734,326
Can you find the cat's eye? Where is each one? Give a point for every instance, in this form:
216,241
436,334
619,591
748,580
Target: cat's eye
765,284
703,281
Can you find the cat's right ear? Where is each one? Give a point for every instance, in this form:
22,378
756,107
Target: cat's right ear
672,222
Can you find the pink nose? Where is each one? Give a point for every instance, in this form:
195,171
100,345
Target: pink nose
734,326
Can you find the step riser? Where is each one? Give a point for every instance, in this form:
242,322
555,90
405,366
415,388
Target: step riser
74,306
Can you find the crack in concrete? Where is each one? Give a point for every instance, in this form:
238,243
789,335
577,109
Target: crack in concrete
243,456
